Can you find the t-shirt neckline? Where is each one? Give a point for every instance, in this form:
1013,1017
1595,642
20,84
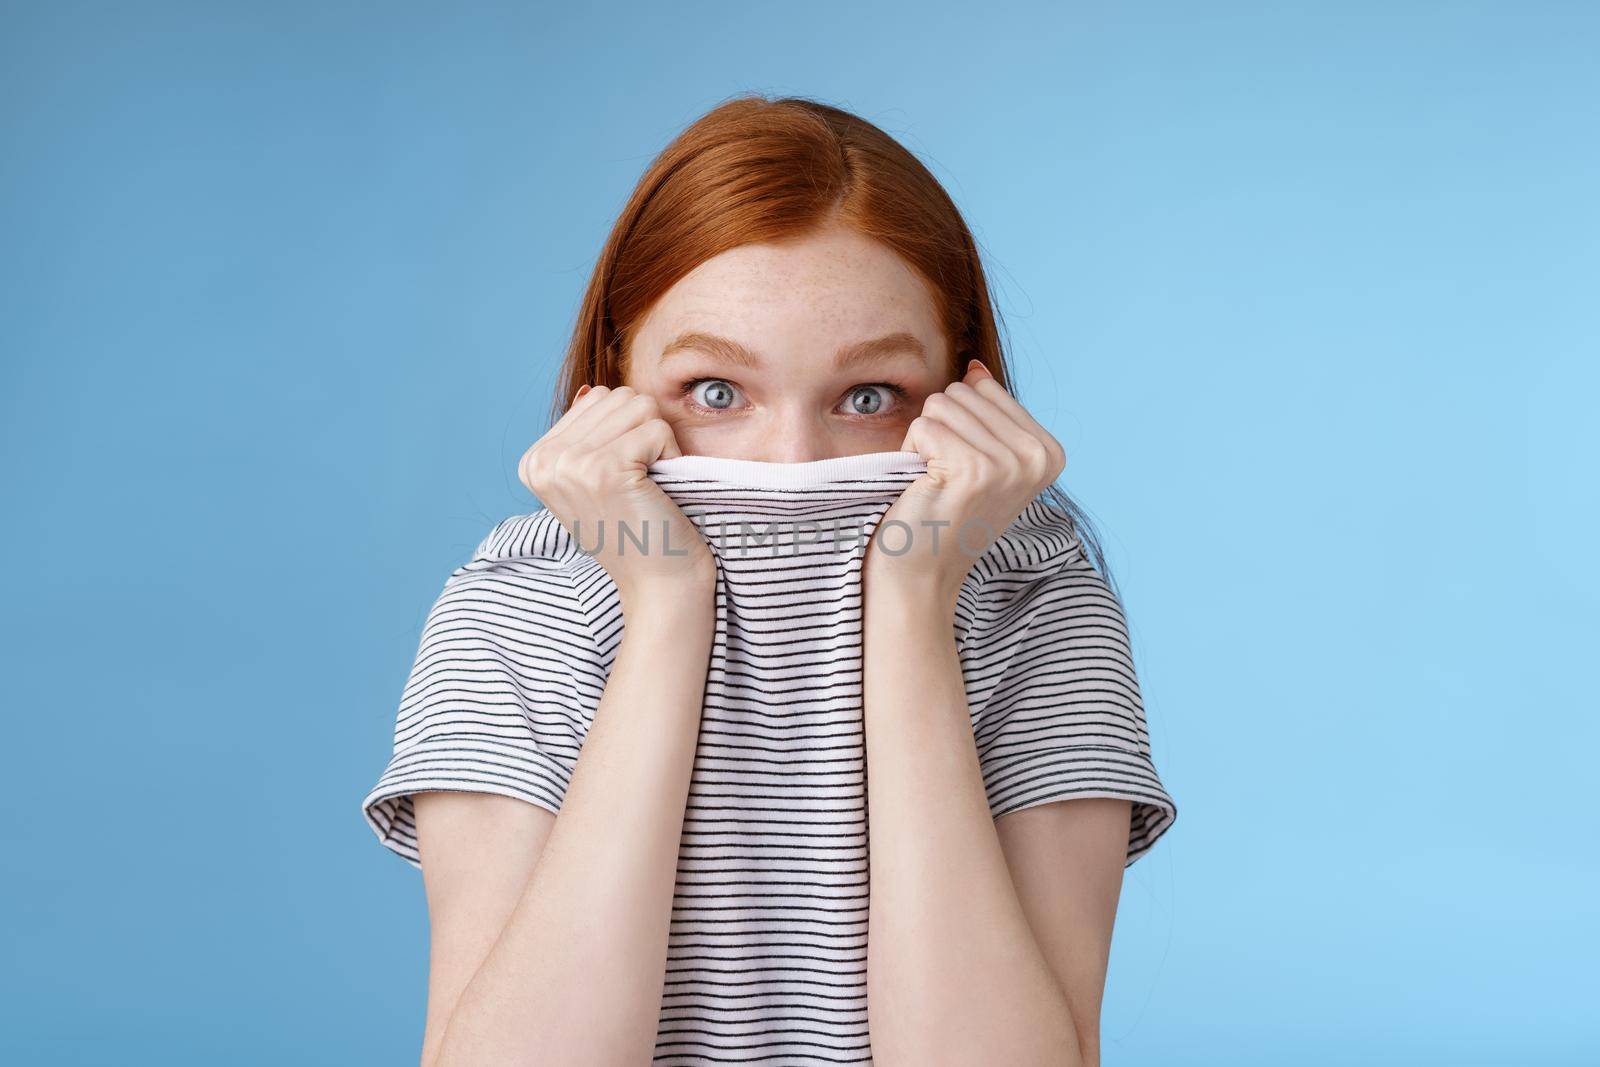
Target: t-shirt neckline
763,474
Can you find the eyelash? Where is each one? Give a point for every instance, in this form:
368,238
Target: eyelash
686,391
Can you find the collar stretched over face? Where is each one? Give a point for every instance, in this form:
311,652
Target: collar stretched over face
845,495
753,510
839,471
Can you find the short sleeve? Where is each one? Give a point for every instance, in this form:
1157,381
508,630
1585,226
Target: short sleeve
491,705
1057,711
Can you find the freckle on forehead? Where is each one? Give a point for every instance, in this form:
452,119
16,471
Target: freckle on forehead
840,283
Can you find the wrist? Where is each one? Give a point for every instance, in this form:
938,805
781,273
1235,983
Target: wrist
678,600
910,596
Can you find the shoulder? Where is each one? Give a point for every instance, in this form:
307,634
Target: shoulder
526,578
533,547
1039,555
534,536
1036,588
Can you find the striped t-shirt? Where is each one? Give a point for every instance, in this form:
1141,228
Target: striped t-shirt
767,953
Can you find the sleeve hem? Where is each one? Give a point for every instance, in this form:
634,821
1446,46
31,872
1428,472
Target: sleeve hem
1094,775
1150,819
390,813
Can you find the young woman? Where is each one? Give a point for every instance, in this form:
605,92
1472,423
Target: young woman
786,285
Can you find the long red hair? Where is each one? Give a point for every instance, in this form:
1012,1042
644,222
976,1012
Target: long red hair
755,169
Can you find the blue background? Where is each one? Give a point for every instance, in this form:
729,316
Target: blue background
1307,291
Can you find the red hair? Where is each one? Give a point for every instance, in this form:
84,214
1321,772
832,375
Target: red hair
755,170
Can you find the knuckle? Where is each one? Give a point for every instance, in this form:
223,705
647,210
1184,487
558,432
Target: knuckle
1058,458
535,472
560,465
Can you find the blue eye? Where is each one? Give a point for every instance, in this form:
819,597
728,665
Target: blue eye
870,399
719,395
863,400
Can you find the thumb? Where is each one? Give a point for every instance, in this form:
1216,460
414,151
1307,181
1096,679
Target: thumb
909,442
669,448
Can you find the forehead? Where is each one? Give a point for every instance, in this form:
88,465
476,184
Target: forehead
835,287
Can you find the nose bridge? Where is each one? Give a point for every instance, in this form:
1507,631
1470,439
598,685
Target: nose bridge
795,434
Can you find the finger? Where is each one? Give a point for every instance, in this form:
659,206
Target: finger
985,384
627,409
908,443
568,417
992,415
944,408
944,451
669,446
646,443
575,422
934,441
591,414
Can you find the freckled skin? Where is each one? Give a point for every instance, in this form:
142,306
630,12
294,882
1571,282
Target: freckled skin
793,305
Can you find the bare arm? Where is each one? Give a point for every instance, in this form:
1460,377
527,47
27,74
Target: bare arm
554,930
574,976
1066,860
954,973
984,940
478,852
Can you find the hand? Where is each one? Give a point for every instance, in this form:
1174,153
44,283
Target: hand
987,460
590,471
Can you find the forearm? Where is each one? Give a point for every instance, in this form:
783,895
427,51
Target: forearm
576,975
954,974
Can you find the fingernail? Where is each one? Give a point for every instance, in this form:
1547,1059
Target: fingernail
584,388
974,364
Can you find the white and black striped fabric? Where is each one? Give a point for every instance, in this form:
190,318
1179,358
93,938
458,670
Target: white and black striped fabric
767,953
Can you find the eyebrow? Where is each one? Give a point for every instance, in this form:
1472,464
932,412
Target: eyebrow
862,353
